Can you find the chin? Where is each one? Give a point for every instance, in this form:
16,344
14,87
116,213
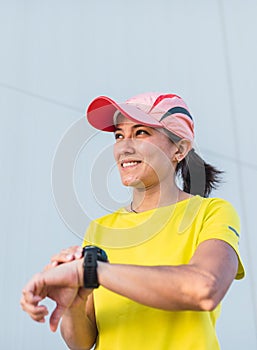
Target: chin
133,183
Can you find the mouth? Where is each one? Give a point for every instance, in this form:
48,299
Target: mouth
130,163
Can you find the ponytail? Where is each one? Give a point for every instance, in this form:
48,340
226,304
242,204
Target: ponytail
198,177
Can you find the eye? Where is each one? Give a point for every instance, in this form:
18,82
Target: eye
142,132
118,136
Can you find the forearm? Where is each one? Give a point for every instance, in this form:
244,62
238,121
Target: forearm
77,329
165,287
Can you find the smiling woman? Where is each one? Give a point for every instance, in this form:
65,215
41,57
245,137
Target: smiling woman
172,253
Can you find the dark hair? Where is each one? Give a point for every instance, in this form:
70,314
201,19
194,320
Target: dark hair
198,176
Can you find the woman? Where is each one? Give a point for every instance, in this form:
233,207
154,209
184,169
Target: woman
172,253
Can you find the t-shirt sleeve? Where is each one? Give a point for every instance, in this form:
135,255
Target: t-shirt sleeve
221,221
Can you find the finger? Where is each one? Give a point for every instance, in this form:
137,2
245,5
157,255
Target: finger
66,255
35,287
30,298
29,302
55,318
51,265
37,313
62,258
78,253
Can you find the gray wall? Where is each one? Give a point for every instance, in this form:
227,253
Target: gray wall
58,55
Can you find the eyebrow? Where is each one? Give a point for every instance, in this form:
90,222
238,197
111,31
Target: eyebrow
134,127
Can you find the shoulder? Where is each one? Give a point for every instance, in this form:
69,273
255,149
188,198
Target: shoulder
213,212
219,205
216,201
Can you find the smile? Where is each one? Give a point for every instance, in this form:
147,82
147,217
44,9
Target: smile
130,164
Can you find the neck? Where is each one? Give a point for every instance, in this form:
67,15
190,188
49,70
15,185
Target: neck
150,198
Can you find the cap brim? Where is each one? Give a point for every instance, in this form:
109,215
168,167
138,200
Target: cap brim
101,111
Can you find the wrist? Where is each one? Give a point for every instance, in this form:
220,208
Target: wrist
101,271
77,308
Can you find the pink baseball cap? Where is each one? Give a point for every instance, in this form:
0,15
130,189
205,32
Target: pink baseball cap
157,110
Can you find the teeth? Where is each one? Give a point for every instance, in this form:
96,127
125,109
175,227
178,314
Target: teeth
125,165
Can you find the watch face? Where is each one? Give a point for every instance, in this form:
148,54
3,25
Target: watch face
101,254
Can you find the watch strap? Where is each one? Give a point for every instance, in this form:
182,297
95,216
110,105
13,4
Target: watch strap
92,254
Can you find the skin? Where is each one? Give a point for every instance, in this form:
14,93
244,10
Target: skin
151,159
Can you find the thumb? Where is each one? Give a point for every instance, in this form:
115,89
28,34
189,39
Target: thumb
55,317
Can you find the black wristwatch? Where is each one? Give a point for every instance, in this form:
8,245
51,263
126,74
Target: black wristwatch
91,255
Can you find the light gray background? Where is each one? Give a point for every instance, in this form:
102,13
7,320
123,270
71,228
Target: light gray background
55,57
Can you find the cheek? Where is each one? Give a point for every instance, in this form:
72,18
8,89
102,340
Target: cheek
155,153
160,160
145,149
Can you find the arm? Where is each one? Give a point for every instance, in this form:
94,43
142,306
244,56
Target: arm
199,285
78,326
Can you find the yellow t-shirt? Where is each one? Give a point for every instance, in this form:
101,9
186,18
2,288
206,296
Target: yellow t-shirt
165,236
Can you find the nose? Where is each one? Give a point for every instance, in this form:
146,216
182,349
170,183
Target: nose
124,147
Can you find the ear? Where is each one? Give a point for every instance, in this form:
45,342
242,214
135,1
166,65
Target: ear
183,147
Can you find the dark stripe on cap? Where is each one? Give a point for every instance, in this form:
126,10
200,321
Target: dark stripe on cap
232,229
175,110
